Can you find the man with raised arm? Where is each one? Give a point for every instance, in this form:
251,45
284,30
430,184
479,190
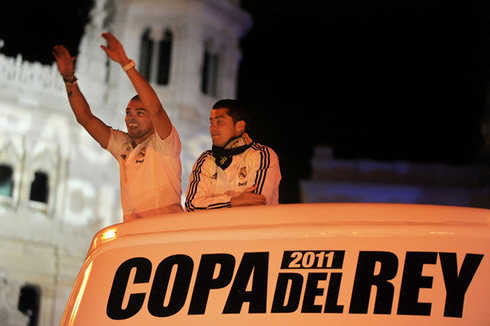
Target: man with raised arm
237,171
148,154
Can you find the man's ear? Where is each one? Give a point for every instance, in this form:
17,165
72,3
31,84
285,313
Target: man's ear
240,125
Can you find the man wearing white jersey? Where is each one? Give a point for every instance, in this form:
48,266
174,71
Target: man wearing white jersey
237,171
148,154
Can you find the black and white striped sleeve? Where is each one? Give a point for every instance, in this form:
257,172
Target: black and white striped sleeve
200,195
266,173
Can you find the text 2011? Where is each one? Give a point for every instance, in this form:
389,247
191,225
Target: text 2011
313,259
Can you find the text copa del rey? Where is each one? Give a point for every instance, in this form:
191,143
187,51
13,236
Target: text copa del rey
250,283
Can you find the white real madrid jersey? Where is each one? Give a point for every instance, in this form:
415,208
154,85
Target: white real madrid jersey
212,187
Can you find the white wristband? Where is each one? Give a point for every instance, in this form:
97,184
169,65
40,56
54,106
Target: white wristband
130,65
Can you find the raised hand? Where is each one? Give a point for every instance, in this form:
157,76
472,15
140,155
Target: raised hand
114,49
64,60
148,97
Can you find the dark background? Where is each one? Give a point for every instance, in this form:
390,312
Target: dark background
382,80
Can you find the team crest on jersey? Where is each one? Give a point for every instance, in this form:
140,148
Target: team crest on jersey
125,151
141,155
242,174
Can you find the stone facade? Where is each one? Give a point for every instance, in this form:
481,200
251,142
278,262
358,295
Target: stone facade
9,296
44,234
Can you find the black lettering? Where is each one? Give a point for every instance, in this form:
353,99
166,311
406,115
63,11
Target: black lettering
114,308
413,281
180,288
279,302
258,264
457,285
312,291
205,281
365,279
331,305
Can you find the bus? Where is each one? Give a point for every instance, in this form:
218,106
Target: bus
290,264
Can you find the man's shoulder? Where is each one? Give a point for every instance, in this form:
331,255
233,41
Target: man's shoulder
170,146
118,132
257,146
205,163
257,149
173,137
261,154
205,156
117,138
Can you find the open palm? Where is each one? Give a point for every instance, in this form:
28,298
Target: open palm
64,60
114,49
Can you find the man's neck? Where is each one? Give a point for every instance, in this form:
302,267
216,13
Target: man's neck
136,141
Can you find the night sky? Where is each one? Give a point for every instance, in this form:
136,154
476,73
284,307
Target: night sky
382,80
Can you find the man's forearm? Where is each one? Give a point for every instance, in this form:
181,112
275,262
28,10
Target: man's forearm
94,126
78,104
146,93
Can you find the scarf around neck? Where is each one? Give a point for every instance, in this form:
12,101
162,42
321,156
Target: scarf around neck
237,145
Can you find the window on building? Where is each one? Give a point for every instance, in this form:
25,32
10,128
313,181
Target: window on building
40,188
209,75
29,303
155,56
146,55
164,56
6,181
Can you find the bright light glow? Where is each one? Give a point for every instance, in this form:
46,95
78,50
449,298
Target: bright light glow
80,294
109,234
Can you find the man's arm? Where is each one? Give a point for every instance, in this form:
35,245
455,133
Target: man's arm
248,198
266,174
94,126
148,97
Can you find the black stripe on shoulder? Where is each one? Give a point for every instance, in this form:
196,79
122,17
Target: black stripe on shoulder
264,166
196,177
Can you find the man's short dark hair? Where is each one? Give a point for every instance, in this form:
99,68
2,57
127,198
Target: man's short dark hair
236,110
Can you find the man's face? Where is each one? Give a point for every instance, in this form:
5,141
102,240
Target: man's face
222,128
138,121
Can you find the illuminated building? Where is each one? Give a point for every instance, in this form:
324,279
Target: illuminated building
57,186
